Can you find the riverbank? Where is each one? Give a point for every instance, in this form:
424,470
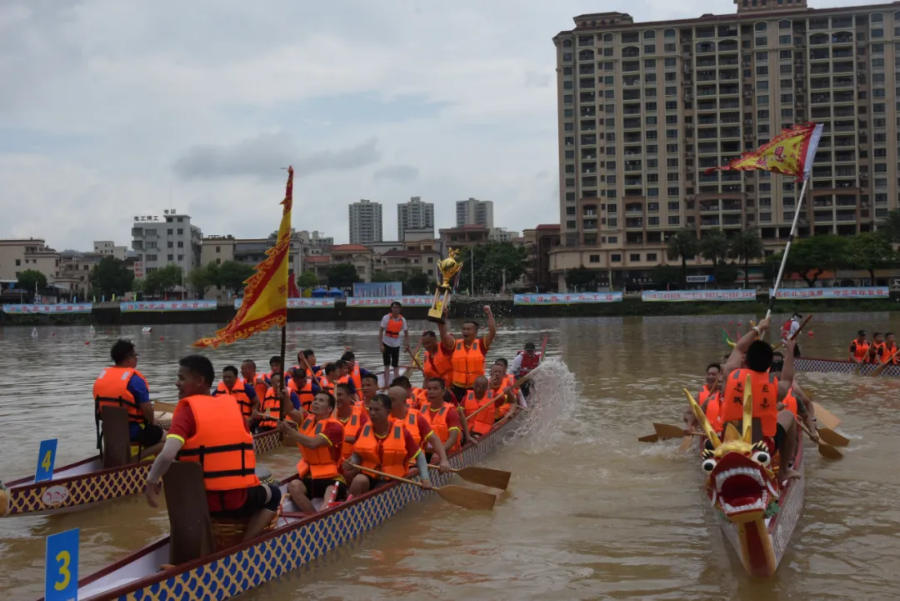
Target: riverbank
110,313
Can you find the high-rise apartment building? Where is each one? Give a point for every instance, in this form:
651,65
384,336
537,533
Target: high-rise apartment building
164,240
365,222
645,108
475,212
414,215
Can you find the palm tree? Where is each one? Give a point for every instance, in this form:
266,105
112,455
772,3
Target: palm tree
746,245
683,243
714,247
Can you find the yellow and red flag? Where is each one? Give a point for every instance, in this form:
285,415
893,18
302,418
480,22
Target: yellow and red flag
791,152
266,291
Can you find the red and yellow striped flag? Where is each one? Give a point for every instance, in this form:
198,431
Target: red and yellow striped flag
791,152
266,291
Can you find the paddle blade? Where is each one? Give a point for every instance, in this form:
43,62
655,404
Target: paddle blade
164,406
829,452
467,497
649,438
833,438
826,417
685,443
667,431
486,476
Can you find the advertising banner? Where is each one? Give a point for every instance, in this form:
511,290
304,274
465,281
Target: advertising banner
300,303
821,293
385,301
680,296
574,298
377,289
155,306
69,308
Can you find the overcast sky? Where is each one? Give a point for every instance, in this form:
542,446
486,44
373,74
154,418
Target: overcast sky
111,109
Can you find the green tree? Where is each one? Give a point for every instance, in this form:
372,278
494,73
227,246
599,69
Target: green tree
666,275
342,275
416,282
683,244
307,279
714,247
581,279
232,275
870,251
162,280
811,257
31,280
496,260
745,246
384,276
891,225
203,277
726,274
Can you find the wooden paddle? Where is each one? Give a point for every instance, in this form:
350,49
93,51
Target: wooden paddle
164,406
825,449
415,360
485,476
826,417
649,438
458,495
832,437
669,431
881,367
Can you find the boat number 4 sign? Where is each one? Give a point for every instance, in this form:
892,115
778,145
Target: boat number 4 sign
61,580
46,458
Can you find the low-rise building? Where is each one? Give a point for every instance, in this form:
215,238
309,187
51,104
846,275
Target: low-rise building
463,237
18,255
539,241
109,248
164,240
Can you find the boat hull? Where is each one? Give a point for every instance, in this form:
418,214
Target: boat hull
761,548
842,367
79,485
236,570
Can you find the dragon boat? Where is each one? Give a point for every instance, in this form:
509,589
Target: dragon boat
840,366
296,540
83,483
755,510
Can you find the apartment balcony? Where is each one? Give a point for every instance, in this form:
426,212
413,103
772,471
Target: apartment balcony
634,223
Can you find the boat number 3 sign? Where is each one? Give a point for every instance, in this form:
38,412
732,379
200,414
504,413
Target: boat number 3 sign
61,580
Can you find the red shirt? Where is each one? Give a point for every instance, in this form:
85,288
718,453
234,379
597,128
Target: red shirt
183,427
423,426
335,434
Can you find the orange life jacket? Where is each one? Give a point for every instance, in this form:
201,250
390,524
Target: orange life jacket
221,443
890,354
790,401
352,426
712,404
438,422
394,327
765,398
468,363
481,423
356,376
876,352
505,404
386,454
860,349
238,393
111,390
438,365
419,400
305,393
271,406
259,386
411,423
318,462
326,386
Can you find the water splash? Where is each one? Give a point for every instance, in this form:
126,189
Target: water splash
551,405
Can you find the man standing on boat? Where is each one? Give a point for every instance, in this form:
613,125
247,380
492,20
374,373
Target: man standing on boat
392,326
525,362
752,357
122,385
212,432
469,353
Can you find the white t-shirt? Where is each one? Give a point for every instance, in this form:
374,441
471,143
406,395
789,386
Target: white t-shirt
795,325
388,340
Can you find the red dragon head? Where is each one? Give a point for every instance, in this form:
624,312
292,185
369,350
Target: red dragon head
740,481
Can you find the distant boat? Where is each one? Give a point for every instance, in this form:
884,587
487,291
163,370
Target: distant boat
34,333
146,330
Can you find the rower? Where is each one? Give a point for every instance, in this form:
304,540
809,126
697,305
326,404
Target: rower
369,390
354,371
417,425
890,350
275,367
478,397
306,359
499,386
442,417
859,347
319,439
303,386
438,355
277,400
384,445
122,385
876,350
212,431
352,416
469,353
332,376
789,330
415,397
777,428
257,381
796,401
710,396
392,326
242,392
525,361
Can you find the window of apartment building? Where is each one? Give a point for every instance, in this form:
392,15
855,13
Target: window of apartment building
650,106
170,257
763,70
674,219
594,258
649,49
650,120
652,191
151,257
650,78
609,79
761,41
785,54
670,77
650,63
762,86
784,39
671,105
878,107
615,258
568,85
568,99
169,231
567,57
649,92
878,48
180,231
607,52
762,57
671,91
877,62
609,66
669,61
787,114
878,33
670,47
672,147
634,256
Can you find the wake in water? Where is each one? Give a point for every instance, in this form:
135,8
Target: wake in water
552,402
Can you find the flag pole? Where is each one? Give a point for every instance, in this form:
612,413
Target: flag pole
282,411
787,247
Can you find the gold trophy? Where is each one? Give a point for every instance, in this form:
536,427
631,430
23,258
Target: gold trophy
448,267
